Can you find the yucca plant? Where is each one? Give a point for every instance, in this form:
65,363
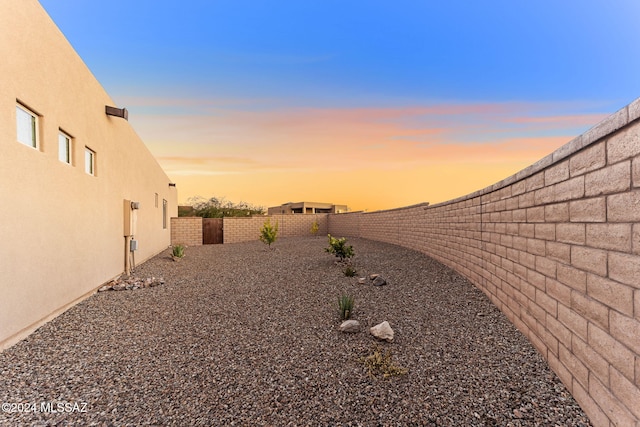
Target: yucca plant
345,306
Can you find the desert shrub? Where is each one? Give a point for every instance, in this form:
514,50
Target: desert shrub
315,227
268,232
379,363
339,248
345,306
350,271
178,251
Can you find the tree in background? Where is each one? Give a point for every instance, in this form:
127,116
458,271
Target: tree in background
218,208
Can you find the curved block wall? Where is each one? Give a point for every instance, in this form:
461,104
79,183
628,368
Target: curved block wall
557,248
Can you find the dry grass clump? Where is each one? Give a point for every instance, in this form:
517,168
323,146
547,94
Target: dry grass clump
380,362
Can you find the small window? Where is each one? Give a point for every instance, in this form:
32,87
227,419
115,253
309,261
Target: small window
89,161
64,148
164,213
156,200
27,125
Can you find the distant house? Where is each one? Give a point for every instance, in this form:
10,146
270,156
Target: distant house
306,208
77,184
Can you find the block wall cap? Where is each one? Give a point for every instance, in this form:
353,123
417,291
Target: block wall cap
418,205
603,129
634,110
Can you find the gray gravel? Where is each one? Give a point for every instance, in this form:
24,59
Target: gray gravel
243,335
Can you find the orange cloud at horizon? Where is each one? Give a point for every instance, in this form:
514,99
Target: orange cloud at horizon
366,158
365,189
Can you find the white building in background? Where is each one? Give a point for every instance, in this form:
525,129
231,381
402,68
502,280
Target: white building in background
306,208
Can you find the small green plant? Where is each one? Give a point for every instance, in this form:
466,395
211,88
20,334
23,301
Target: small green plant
339,248
379,363
315,227
268,232
178,251
349,271
345,306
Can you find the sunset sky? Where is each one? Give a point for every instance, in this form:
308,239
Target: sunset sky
372,104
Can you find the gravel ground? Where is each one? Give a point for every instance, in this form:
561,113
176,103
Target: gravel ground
243,335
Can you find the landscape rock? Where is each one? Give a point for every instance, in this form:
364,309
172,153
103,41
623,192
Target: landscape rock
350,326
379,281
131,283
373,276
153,282
362,280
382,331
238,337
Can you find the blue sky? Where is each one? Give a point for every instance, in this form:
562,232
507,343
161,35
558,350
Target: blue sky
233,96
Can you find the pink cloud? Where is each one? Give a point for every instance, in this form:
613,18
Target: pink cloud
230,139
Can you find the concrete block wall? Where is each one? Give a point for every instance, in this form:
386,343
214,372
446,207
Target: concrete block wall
186,231
557,248
346,224
243,229
246,229
300,225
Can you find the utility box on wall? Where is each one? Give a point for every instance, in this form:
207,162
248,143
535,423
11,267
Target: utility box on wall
130,217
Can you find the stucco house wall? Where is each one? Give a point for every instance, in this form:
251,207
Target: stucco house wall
62,229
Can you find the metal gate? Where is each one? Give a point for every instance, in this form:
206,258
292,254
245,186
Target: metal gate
212,231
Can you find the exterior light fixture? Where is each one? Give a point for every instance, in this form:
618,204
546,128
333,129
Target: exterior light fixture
117,112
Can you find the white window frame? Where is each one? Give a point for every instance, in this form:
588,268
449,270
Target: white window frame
33,139
165,213
89,161
68,149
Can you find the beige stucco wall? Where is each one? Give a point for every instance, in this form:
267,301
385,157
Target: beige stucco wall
62,229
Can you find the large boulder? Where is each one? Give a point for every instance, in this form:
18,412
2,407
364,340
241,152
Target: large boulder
350,326
379,281
382,331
